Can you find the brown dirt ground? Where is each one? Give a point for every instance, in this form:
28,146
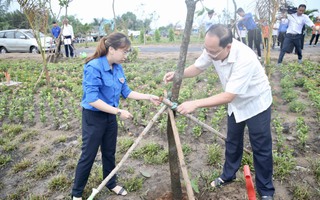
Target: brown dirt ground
158,186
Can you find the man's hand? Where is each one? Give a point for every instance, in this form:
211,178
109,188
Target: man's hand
187,107
168,77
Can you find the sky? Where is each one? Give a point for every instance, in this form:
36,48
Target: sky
168,11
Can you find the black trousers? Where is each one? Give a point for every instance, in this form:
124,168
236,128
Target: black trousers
281,37
99,129
261,143
314,36
69,47
253,36
291,40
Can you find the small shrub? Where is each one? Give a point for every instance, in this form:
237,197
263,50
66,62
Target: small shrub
284,163
289,95
214,154
297,106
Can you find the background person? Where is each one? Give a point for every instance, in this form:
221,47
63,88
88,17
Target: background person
294,33
249,23
275,34
68,37
247,92
209,19
316,32
103,83
56,35
283,26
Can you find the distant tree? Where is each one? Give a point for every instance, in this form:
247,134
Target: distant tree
171,35
37,14
141,36
157,35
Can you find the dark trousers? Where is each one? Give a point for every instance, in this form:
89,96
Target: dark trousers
291,40
69,47
253,36
261,142
99,129
281,37
314,36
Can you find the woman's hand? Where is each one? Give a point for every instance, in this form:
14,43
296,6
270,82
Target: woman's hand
154,99
125,114
168,77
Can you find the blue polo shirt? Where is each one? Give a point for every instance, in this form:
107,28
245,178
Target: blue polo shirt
101,82
55,31
248,22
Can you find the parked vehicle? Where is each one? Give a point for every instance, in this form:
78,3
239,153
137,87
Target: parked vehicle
23,40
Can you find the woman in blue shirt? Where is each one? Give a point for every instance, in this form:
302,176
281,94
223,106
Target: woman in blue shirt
103,83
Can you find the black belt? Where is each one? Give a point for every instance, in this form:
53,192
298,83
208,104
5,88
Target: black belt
291,34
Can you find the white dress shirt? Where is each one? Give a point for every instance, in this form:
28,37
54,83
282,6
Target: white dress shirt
296,23
67,30
242,74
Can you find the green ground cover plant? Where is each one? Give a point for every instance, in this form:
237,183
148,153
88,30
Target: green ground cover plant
40,137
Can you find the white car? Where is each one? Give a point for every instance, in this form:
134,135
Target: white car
23,40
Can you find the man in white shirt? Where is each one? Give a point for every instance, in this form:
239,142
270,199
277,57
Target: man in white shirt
210,19
248,94
294,32
68,36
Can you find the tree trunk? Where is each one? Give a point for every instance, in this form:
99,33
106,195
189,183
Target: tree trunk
173,158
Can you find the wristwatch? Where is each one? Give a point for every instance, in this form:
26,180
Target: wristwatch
118,112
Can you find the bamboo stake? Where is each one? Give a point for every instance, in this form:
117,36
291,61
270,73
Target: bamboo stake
194,119
114,171
181,157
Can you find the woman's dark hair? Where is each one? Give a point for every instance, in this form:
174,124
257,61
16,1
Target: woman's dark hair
115,40
222,32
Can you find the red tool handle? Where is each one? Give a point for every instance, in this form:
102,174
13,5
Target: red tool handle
249,183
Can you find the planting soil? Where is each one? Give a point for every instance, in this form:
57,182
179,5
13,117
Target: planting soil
43,154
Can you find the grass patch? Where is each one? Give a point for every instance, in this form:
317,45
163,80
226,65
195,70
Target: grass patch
4,159
22,165
151,153
59,183
124,143
43,169
133,184
11,130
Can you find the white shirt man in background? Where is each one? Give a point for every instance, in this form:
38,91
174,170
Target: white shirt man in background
68,36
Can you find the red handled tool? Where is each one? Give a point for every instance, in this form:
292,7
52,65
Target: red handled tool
249,183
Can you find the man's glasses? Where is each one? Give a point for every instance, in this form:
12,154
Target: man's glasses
211,54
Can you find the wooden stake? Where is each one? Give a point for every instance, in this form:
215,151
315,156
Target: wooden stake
134,145
181,156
